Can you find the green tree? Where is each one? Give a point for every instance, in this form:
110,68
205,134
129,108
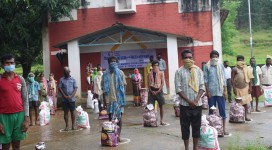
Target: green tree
261,14
229,29
22,23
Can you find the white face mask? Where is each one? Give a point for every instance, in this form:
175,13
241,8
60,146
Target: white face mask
214,61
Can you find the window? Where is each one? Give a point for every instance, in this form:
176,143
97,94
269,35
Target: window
194,5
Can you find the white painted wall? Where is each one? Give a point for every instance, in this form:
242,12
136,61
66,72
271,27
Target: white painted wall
216,30
172,54
91,49
46,52
74,64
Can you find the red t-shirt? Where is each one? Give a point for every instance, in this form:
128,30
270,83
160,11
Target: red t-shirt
10,97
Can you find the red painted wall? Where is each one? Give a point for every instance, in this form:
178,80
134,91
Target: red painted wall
158,17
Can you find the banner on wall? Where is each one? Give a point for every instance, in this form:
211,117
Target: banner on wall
129,58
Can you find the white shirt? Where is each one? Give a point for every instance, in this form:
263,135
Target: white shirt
227,72
267,75
259,72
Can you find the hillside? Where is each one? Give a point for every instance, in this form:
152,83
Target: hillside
262,46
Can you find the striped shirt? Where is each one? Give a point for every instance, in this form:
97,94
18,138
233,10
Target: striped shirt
182,78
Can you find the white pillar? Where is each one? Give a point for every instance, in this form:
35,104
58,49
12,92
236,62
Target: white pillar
74,64
46,52
172,54
216,29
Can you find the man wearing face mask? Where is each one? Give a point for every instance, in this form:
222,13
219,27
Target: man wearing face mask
228,78
14,105
267,73
256,89
155,82
215,83
147,69
190,87
162,67
33,96
241,81
114,86
68,88
97,86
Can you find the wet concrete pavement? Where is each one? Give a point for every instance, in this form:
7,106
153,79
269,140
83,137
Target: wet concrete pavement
135,136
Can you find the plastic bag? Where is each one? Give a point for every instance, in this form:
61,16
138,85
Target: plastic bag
90,103
51,105
82,118
267,95
109,135
144,96
208,136
44,113
44,117
96,109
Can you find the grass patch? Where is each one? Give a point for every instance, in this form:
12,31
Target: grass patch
234,144
262,46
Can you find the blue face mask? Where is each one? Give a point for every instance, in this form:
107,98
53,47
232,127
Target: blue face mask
9,68
112,66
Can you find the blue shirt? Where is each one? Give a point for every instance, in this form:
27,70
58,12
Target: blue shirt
68,85
35,96
211,78
162,65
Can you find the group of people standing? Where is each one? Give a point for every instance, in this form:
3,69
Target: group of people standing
216,81
109,87
40,89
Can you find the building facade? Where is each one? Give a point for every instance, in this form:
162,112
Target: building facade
132,30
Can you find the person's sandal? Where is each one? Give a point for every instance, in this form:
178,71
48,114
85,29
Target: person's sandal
248,119
226,133
163,123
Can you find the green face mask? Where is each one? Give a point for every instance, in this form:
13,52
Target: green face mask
31,79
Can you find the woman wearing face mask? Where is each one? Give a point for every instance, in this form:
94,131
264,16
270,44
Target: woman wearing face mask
136,83
33,96
52,89
44,88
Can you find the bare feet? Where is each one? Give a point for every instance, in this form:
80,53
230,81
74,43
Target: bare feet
30,124
258,110
74,128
